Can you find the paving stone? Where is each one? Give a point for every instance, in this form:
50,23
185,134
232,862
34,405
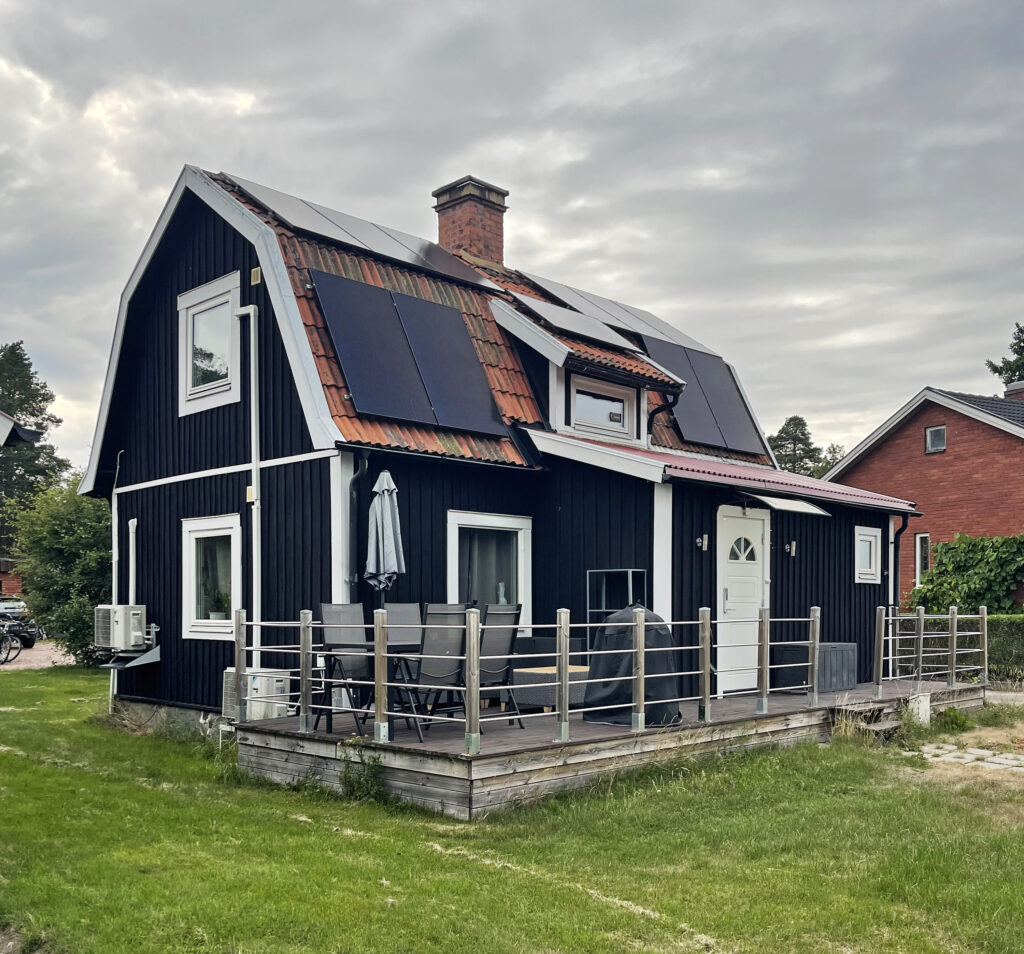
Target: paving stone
984,753
959,757
992,765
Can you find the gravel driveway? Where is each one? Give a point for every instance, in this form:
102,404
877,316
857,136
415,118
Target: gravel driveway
41,656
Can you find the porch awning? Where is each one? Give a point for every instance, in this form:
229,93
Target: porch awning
793,506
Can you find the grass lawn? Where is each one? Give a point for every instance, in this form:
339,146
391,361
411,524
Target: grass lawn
116,843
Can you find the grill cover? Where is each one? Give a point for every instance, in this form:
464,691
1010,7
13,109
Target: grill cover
616,673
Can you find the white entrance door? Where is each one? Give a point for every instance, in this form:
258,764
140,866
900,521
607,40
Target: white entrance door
742,541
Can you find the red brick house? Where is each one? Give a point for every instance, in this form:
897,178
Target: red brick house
959,457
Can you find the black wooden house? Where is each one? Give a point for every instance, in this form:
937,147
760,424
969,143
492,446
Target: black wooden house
550,447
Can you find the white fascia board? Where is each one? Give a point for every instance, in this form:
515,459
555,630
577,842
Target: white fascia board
323,431
621,462
925,394
529,333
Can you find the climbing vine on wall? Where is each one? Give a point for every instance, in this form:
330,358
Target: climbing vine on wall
974,571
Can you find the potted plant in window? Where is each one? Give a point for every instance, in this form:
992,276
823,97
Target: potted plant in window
219,603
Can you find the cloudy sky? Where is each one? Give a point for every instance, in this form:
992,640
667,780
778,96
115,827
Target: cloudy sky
828,193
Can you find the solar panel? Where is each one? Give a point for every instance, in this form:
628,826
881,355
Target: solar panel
719,385
449,365
693,413
575,323
377,361
361,234
617,315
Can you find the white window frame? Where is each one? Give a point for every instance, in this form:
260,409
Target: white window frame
628,395
226,289
874,573
192,529
928,431
917,555
523,526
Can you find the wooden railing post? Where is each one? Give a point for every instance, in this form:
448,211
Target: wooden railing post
951,671
562,676
879,650
305,671
704,635
983,644
240,678
918,650
380,676
763,631
639,675
814,639
472,681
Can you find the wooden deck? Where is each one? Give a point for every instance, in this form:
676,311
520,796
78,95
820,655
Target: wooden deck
517,765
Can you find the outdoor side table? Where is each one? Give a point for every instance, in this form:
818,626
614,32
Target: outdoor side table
531,691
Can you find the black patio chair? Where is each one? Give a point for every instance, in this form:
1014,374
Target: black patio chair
444,634
501,623
345,670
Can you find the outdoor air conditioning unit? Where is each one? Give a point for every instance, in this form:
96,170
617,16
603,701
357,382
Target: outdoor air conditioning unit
274,684
120,628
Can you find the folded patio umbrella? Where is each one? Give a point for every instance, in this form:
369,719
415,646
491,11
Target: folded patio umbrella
384,556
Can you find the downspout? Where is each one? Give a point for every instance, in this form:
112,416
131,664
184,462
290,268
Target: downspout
252,313
132,527
895,568
670,403
353,525
114,568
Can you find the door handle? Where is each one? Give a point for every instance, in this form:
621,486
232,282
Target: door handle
725,594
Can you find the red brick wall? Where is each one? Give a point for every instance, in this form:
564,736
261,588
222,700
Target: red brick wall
472,225
10,584
975,486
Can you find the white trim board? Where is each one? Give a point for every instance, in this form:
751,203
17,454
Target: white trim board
218,471
323,431
572,449
925,394
661,582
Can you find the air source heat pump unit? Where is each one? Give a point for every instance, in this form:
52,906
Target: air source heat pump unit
120,628
266,694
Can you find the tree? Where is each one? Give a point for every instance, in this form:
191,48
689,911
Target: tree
25,469
1011,369
797,453
62,548
829,458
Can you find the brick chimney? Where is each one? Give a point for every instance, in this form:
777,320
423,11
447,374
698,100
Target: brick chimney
1014,391
469,213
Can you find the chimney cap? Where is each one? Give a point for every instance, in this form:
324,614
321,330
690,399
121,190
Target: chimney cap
470,187
1014,391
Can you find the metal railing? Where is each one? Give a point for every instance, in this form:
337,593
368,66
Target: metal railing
937,647
367,680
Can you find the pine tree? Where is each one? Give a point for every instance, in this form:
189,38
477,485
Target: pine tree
1011,368
25,469
793,447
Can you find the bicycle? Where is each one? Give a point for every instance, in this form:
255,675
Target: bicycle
10,647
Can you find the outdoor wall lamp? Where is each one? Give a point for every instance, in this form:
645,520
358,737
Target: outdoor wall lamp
702,542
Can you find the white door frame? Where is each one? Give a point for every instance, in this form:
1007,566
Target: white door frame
523,528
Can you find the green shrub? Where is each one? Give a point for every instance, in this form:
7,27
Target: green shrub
971,572
1006,647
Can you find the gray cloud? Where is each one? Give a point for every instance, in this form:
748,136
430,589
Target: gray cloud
828,194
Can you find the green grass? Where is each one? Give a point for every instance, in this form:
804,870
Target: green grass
114,843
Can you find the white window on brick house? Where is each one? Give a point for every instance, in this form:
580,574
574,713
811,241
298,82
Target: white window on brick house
867,555
922,556
935,439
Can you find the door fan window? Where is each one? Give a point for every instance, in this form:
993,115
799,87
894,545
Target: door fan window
742,550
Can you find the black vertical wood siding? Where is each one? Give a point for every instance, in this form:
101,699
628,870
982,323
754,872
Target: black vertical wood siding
822,573
296,569
197,247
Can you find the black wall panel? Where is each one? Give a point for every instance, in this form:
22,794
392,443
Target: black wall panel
197,247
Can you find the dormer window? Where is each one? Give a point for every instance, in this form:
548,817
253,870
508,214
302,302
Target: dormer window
209,346
935,439
603,408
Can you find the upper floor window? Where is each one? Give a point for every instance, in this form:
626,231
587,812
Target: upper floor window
603,408
209,345
935,439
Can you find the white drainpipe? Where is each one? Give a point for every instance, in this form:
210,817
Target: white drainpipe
252,313
132,526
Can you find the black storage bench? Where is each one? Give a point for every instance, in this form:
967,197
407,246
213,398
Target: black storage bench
837,666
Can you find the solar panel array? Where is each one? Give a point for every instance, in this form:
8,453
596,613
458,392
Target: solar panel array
617,315
574,322
711,409
361,234
406,358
